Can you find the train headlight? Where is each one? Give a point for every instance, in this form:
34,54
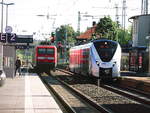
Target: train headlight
98,63
114,63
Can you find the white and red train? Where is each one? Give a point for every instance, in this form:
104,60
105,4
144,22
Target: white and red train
100,58
46,57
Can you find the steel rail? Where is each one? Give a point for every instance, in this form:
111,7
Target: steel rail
136,97
66,106
139,96
86,98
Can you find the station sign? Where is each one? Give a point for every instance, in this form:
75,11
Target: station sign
8,37
24,39
23,46
13,38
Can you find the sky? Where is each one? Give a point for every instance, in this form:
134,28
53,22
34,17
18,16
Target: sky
23,15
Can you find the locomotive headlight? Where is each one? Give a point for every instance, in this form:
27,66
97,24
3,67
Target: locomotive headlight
98,63
114,64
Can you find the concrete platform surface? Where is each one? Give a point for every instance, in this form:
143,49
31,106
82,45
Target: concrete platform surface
26,94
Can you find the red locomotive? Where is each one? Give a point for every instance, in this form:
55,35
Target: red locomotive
46,57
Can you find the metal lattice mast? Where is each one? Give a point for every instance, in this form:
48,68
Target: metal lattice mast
117,15
124,14
79,19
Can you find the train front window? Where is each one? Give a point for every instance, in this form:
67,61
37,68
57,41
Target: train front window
45,51
41,50
50,51
105,49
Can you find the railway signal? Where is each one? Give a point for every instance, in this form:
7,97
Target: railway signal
52,38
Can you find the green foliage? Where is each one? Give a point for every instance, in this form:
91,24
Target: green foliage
66,36
124,36
65,33
52,34
22,54
107,28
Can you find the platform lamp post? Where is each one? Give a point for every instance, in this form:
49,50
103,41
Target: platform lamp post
1,48
1,44
7,4
2,4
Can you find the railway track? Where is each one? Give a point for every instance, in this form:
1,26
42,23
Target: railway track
128,92
110,97
134,93
71,100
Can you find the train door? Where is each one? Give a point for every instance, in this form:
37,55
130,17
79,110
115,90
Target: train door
85,61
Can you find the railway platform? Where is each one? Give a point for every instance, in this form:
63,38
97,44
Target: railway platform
139,81
26,94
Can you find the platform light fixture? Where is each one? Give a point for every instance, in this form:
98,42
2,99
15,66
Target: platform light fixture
7,4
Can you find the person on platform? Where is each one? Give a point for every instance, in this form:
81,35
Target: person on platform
18,65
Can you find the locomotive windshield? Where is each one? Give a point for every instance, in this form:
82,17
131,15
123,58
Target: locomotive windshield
50,51
105,49
46,51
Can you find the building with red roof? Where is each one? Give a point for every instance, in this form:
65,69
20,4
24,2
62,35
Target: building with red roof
88,33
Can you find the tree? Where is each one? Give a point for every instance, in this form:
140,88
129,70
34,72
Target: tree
106,28
65,34
124,36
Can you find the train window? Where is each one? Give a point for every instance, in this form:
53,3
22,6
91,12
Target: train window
41,50
50,51
45,51
107,45
105,49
